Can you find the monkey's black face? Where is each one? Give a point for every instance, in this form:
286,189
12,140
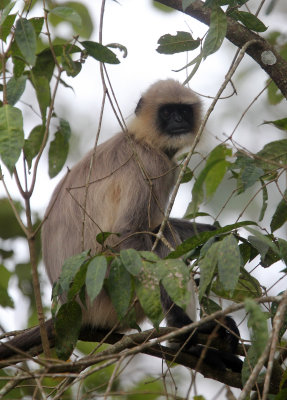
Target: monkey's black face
176,119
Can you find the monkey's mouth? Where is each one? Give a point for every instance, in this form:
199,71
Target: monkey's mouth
179,131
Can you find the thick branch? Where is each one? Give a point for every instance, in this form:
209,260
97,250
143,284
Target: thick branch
122,345
239,35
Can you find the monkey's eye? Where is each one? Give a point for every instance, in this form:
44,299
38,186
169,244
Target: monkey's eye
165,113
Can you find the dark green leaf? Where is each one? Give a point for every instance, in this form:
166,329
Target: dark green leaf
258,325
264,201
202,237
250,21
18,62
103,236
58,153
280,216
264,239
9,226
229,260
207,267
96,274
11,135
131,260
119,286
65,129
100,52
15,89
182,41
279,123
274,151
209,305
26,40
78,282
68,14
249,363
247,286
7,27
188,175
45,65
250,175
148,292
42,88
5,299
149,256
216,32
33,143
70,268
72,68
67,325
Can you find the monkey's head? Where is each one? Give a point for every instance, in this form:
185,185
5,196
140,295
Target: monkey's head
167,116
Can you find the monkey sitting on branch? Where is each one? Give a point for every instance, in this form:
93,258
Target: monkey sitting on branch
123,187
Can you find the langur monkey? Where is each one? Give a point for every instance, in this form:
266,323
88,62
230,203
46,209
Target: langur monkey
123,186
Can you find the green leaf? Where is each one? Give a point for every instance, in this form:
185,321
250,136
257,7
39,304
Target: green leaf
265,240
202,237
280,216
249,363
181,42
247,286
207,267
229,261
15,89
275,151
258,324
100,52
148,292
5,299
42,88
274,94
68,14
7,27
37,23
72,68
216,174
131,260
197,191
216,32
96,274
279,123
11,135
78,282
70,268
26,40
264,201
5,13
119,285
58,153
174,277
67,325
188,175
103,236
250,21
33,143
9,226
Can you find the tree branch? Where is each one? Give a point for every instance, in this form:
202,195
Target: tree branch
239,35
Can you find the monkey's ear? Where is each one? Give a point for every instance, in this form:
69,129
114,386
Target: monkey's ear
139,106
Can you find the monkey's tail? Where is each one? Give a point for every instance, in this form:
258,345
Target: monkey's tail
28,340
